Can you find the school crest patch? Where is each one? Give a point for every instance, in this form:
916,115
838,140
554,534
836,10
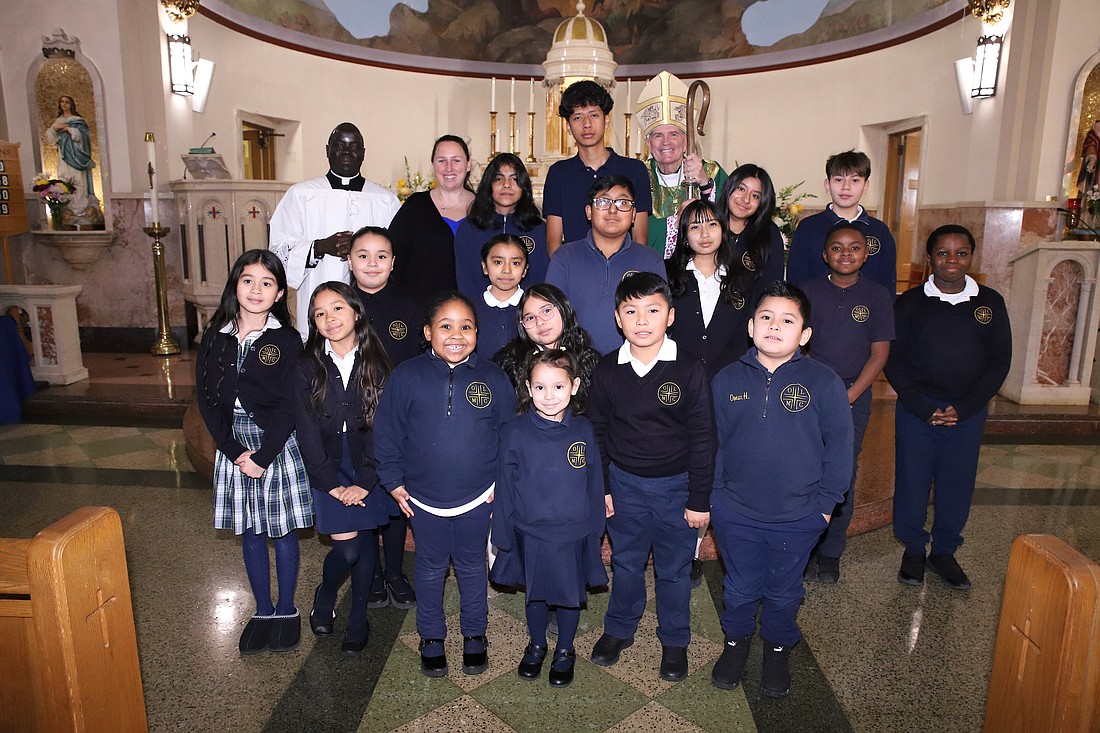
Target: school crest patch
748,263
861,313
669,393
269,354
983,314
738,301
795,397
398,330
627,274
575,454
528,242
873,245
479,395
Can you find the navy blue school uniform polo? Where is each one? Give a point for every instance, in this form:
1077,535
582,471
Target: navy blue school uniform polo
396,316
846,321
468,243
569,181
496,325
804,261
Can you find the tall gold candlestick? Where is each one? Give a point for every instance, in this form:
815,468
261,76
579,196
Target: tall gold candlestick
511,132
165,344
626,116
492,135
531,138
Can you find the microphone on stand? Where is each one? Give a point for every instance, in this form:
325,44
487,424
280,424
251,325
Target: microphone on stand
202,149
1073,219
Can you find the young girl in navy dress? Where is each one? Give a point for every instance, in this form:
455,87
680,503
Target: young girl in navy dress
546,321
244,378
549,515
394,315
437,434
504,262
339,381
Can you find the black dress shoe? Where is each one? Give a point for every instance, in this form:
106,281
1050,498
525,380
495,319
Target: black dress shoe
321,620
530,667
355,644
286,632
256,634
696,573
378,597
674,663
401,591
561,669
475,654
435,665
607,649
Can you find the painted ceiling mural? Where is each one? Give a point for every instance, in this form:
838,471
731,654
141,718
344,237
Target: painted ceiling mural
501,36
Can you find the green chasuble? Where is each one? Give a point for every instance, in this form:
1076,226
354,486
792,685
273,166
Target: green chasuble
666,201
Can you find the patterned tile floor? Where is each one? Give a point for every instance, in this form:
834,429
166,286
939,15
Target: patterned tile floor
878,656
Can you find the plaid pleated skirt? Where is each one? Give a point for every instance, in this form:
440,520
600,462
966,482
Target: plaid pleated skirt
274,504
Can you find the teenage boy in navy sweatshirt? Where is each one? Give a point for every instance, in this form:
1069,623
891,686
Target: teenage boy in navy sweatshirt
853,328
784,461
650,407
846,178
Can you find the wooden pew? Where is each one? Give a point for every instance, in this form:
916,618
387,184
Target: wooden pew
1046,666
68,651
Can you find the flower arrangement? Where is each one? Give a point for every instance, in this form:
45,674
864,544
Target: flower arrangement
412,183
1092,201
788,209
54,191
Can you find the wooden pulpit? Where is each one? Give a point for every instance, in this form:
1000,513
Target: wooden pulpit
1046,666
68,650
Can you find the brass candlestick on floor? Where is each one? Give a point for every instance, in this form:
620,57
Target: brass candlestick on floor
165,344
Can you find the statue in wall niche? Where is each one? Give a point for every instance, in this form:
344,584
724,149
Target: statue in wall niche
72,136
1087,178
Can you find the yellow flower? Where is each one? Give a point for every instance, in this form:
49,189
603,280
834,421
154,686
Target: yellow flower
796,209
402,183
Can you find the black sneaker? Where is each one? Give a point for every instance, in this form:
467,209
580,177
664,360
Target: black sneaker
828,570
674,663
776,678
608,648
727,671
912,569
696,573
949,571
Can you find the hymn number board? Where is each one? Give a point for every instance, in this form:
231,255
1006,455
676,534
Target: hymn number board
13,208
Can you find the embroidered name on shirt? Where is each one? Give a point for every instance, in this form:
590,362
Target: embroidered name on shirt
738,397
575,454
398,330
861,313
669,393
873,245
983,314
269,354
795,397
479,395
528,242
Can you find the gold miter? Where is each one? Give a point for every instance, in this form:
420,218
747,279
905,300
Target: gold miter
663,102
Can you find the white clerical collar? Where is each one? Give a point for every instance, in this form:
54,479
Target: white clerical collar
492,302
667,352
970,290
345,181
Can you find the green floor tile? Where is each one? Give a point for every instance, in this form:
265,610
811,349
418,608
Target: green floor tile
34,443
403,694
118,446
697,700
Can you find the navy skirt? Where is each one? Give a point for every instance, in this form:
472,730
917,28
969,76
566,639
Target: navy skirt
332,517
557,573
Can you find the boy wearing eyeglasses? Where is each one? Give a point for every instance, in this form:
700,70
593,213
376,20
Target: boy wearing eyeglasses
588,270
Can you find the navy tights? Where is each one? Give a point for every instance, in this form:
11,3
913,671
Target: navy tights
257,565
538,612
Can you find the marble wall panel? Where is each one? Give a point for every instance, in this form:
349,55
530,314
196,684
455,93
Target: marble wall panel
1059,323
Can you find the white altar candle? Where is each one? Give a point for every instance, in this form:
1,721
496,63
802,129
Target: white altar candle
493,103
512,105
152,150
629,95
531,95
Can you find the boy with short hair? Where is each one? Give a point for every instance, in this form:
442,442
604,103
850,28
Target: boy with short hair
784,460
853,328
650,408
846,178
589,270
586,107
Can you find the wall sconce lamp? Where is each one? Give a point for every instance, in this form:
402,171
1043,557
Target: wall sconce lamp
180,65
987,64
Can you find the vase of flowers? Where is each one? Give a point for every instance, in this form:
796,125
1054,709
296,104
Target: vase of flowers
412,183
56,193
788,209
1092,204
